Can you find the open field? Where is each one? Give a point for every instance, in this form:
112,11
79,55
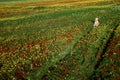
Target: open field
56,40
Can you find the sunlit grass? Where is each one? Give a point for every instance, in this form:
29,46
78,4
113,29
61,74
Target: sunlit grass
39,37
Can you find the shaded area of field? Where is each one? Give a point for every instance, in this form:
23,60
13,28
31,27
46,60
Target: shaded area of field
56,40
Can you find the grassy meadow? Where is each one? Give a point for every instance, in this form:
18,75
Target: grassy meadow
56,40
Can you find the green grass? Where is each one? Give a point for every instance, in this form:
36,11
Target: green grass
56,42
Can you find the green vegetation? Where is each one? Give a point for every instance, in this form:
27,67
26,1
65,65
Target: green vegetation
55,40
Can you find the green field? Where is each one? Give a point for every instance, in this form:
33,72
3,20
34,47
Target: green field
56,40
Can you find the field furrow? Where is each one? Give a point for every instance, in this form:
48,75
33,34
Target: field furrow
56,40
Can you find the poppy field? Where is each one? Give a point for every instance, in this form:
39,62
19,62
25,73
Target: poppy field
56,40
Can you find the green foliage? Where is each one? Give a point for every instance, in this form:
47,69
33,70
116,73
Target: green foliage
57,44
